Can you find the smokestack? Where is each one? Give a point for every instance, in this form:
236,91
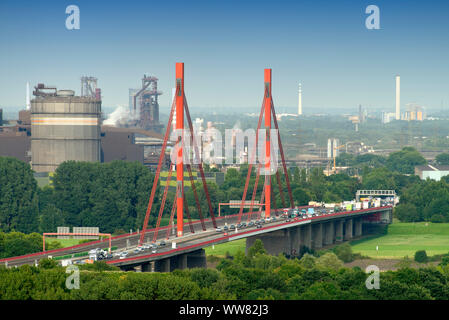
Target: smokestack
300,100
398,98
28,104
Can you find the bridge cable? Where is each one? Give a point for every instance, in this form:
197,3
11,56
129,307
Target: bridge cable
156,177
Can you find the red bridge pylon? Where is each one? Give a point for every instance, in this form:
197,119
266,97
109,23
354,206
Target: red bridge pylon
180,203
268,110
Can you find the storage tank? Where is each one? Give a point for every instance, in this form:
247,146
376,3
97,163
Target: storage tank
64,127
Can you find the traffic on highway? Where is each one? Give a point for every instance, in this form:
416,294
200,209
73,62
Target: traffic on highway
126,246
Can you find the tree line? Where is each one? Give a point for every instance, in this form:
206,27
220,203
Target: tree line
114,196
242,277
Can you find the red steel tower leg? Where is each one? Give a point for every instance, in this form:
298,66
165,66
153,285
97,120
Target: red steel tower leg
267,142
179,163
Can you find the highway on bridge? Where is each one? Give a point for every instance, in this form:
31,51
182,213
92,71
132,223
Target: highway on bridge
189,242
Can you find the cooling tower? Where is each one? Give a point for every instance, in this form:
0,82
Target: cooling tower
64,127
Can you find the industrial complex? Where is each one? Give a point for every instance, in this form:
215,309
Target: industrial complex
57,126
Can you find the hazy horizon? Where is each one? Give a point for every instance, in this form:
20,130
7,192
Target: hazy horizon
226,45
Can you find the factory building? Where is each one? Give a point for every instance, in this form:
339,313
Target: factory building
15,137
149,105
63,127
119,145
435,172
59,126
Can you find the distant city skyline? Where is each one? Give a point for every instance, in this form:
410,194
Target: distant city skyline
324,45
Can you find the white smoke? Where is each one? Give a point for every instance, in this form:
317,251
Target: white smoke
121,116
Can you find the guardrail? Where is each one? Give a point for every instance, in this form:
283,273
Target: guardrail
205,243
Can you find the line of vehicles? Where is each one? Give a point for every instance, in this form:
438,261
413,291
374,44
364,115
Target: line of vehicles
98,254
287,214
316,209
146,247
364,203
243,225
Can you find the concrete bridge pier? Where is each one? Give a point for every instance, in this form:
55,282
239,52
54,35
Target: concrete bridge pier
306,235
348,229
146,267
317,236
329,233
162,265
274,242
127,268
295,240
178,262
357,227
338,230
197,259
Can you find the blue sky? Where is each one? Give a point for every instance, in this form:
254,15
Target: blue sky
225,46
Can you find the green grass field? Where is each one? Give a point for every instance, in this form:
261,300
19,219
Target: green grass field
232,247
404,239
64,242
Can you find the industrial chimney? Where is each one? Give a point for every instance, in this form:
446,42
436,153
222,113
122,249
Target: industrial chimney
300,100
28,103
398,98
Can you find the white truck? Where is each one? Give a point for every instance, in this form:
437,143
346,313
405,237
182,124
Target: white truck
98,254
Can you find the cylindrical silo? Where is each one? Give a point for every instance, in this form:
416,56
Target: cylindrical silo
64,127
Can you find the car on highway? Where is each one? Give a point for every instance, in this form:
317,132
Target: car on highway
153,251
218,229
225,228
146,247
250,224
259,226
162,243
243,224
232,227
123,255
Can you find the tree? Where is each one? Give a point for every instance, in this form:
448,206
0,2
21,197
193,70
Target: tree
344,252
329,261
204,277
421,256
111,195
256,248
307,261
300,196
442,158
379,179
18,196
406,212
50,219
404,161
17,244
322,291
